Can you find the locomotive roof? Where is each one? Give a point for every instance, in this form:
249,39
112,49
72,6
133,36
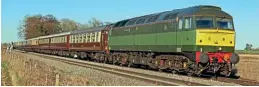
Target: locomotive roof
94,29
194,10
204,10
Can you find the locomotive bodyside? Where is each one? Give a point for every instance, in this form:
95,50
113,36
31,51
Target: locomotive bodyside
182,32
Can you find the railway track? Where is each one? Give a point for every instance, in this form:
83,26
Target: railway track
147,77
245,82
131,74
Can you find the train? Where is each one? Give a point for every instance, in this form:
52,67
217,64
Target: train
195,40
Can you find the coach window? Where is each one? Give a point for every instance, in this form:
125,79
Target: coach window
62,39
78,38
97,36
65,39
187,23
93,37
86,36
70,39
75,38
83,38
58,38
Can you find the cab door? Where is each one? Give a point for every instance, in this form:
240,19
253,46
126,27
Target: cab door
179,30
185,34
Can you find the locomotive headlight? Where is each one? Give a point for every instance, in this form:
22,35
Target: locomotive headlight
220,48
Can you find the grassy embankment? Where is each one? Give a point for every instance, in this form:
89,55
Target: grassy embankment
17,70
247,52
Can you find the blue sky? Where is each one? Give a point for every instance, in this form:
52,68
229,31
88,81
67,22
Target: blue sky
245,13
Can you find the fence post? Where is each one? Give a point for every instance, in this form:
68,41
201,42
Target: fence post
57,80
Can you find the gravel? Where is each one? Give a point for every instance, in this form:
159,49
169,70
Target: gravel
111,79
95,77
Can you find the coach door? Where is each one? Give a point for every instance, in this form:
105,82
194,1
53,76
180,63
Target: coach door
105,39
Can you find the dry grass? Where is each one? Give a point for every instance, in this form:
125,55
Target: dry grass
19,70
248,66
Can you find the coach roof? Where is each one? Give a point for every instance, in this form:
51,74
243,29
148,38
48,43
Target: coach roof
94,29
54,35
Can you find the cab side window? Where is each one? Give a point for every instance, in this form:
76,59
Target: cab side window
180,23
187,23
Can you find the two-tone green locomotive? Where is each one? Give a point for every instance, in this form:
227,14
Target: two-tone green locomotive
194,40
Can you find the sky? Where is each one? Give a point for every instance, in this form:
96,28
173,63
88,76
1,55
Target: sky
244,12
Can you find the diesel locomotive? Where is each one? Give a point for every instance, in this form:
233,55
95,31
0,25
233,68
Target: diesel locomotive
194,40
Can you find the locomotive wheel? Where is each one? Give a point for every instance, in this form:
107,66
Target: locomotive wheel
121,64
190,74
174,71
129,65
160,70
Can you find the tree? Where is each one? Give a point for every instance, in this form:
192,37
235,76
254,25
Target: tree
68,25
107,23
95,23
50,25
248,47
83,26
91,23
38,25
21,32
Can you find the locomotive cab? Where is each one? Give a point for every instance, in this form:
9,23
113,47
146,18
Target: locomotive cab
215,38
211,34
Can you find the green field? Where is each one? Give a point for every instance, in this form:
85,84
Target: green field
247,52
